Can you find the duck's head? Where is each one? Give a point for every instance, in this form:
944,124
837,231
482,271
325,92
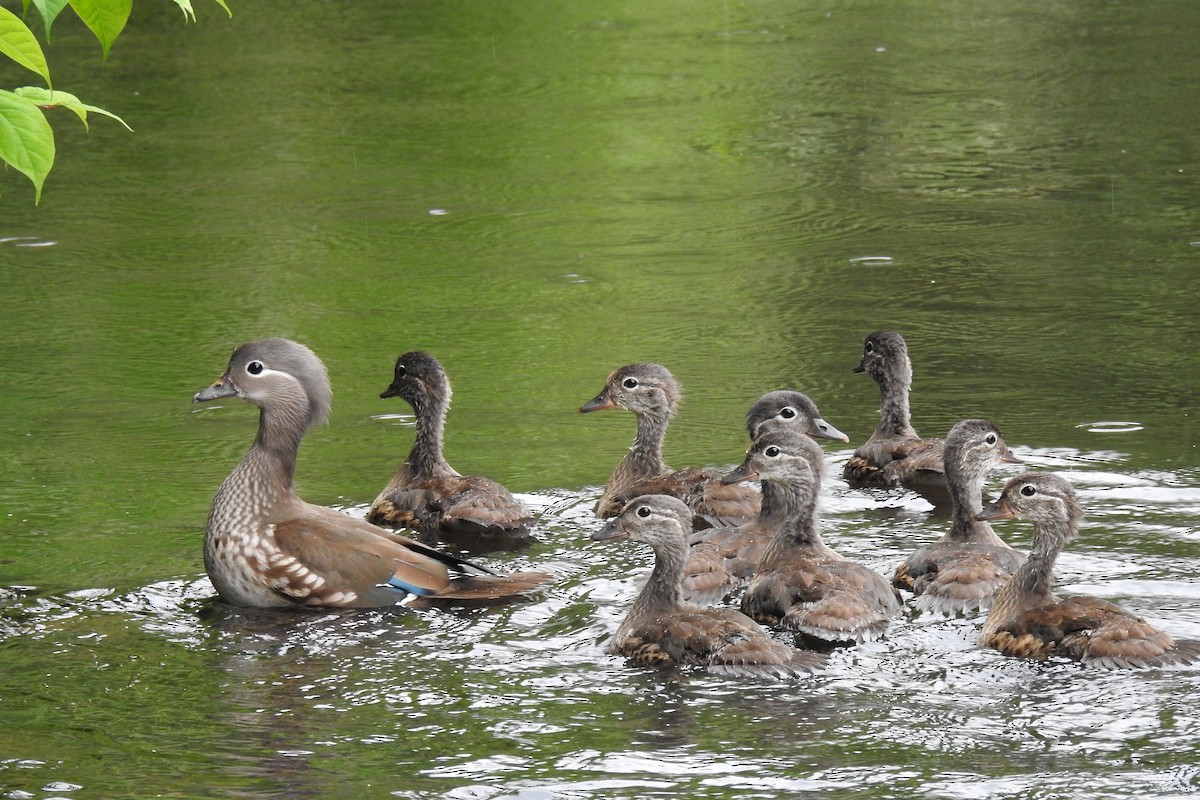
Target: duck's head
277,375
781,455
644,389
976,444
418,375
654,519
885,354
788,408
1043,498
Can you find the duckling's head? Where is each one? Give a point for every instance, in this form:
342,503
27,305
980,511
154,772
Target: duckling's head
1043,498
279,376
782,455
654,519
885,356
974,446
644,389
417,376
788,408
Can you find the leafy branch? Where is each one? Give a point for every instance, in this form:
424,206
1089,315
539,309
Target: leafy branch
26,138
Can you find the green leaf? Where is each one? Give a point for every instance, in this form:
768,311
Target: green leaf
189,14
18,43
49,9
47,98
105,18
26,139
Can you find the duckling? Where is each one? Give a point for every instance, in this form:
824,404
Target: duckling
652,394
1028,620
663,630
265,547
801,584
721,560
895,455
427,494
963,571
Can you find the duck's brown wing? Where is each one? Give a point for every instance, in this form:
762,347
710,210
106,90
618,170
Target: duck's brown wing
720,638
887,463
741,546
343,561
955,579
404,507
1122,640
706,577
482,504
865,468
713,503
827,599
1090,630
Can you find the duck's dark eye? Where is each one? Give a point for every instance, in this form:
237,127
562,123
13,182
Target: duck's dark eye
772,452
254,367
787,412
401,370
868,348
643,511
630,383
1028,491
990,438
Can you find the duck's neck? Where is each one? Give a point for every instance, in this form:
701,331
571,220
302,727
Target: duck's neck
774,506
263,479
663,588
800,526
644,459
966,496
895,418
425,460
1033,582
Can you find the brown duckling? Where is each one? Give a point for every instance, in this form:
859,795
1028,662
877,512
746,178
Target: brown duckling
652,394
661,629
722,560
265,547
802,584
427,494
895,455
1028,620
963,571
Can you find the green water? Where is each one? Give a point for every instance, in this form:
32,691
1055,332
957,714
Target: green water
537,194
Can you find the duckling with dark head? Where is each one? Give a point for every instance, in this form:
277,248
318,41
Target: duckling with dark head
895,456
266,547
426,494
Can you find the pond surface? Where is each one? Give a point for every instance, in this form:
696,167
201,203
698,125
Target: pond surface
538,194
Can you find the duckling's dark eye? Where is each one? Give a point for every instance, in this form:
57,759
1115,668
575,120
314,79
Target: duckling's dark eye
401,370
868,348
1028,491
644,511
254,367
630,383
787,412
772,452
990,438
